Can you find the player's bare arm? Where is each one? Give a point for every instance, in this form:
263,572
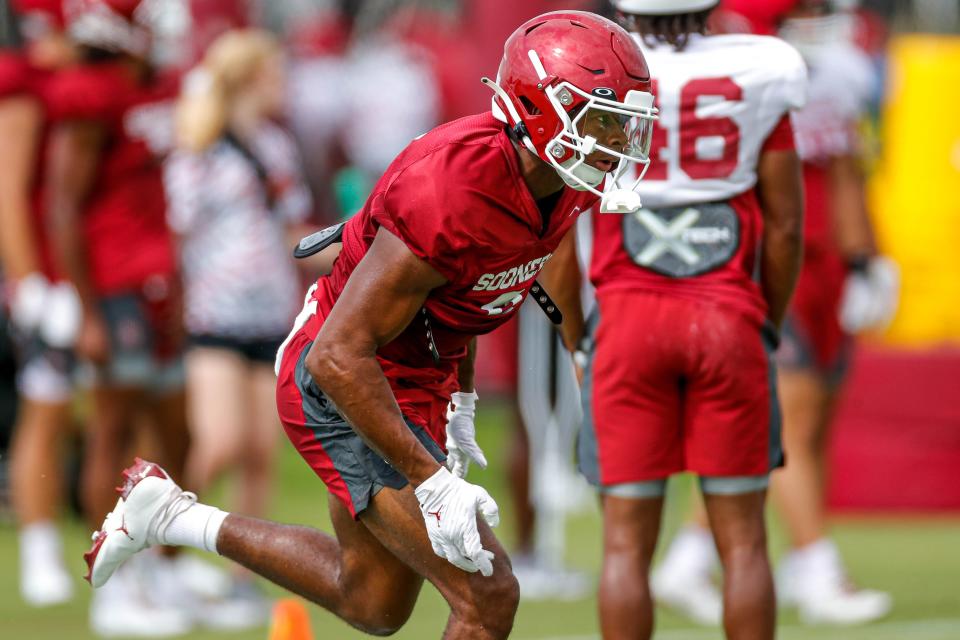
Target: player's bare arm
19,129
75,149
780,189
465,372
852,229
383,295
561,278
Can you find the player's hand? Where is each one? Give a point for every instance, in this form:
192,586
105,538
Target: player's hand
93,341
28,301
450,506
462,444
870,296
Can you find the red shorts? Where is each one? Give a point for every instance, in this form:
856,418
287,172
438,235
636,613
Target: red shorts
677,385
812,338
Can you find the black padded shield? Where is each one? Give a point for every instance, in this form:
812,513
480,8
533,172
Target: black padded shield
317,242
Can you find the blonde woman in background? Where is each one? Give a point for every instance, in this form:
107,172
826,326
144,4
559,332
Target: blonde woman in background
234,186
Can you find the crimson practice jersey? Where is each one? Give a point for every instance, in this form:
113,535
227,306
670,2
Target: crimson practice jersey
19,78
124,218
722,101
457,198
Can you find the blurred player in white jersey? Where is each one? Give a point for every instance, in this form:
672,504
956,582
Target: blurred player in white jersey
691,290
844,287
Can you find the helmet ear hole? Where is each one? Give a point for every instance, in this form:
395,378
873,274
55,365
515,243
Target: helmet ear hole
528,106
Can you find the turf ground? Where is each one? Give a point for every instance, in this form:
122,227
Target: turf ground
916,559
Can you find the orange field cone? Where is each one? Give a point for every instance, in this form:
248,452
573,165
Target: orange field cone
290,621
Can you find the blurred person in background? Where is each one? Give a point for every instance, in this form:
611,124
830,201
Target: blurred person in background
447,247
691,290
350,131
112,123
844,287
43,309
234,188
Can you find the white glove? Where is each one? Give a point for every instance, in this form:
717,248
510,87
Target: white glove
60,324
29,301
450,505
462,444
870,296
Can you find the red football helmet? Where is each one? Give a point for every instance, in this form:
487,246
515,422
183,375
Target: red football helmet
114,25
556,69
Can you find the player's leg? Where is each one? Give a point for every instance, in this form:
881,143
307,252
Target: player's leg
629,443
737,522
108,437
812,575
732,440
218,409
258,462
480,607
36,476
684,579
351,575
370,574
631,524
369,579
799,488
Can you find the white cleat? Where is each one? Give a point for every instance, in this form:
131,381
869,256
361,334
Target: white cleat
123,608
843,605
816,583
693,596
45,585
540,581
208,594
149,501
201,578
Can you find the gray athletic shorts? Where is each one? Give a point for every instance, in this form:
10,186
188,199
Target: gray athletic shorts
352,471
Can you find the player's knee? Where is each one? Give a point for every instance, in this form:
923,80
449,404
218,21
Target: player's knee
492,604
747,550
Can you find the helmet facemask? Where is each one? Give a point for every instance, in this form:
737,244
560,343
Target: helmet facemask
568,151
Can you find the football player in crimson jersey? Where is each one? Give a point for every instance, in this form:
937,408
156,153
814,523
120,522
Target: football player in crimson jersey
446,247
844,287
106,206
43,309
691,290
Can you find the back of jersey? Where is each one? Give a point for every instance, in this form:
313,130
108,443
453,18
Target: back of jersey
722,100
719,99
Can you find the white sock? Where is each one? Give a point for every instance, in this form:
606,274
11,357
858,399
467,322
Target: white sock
197,526
691,553
40,542
818,562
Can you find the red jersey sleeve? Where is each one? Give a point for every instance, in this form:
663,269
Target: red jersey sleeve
14,74
425,211
781,138
85,93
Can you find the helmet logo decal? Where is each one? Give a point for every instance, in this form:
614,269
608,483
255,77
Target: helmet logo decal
604,92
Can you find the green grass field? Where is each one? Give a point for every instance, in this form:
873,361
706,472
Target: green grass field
917,560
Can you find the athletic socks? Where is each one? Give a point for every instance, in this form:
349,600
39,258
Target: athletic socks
196,526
